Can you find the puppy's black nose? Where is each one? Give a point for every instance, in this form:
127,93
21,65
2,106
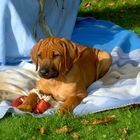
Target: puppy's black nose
43,71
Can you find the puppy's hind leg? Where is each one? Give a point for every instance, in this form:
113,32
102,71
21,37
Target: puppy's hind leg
104,63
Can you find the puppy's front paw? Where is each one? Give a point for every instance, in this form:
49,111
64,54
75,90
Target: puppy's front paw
25,107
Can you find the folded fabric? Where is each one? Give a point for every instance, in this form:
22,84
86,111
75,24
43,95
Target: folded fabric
18,19
104,35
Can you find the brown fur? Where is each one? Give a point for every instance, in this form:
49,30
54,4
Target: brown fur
29,103
70,67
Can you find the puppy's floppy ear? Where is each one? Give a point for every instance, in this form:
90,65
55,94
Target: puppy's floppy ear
72,52
34,53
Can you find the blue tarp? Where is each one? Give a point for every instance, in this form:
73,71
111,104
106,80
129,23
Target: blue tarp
19,17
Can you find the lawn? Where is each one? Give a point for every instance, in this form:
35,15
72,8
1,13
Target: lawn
122,12
117,124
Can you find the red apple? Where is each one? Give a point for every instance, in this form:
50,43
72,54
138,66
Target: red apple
18,101
41,107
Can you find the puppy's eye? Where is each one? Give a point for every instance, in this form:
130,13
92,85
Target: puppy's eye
39,55
56,54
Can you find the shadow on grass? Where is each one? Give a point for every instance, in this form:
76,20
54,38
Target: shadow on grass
128,16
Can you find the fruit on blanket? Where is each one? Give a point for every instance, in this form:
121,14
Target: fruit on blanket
18,101
41,107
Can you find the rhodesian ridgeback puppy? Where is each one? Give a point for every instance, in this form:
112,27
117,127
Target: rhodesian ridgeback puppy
66,69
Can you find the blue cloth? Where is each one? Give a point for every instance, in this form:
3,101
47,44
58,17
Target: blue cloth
17,19
104,35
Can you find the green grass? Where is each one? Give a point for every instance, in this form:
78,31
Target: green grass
122,12
125,126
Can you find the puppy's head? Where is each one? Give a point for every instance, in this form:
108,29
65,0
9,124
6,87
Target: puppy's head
54,56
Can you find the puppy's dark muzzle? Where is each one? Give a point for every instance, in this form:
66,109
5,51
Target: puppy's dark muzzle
48,73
